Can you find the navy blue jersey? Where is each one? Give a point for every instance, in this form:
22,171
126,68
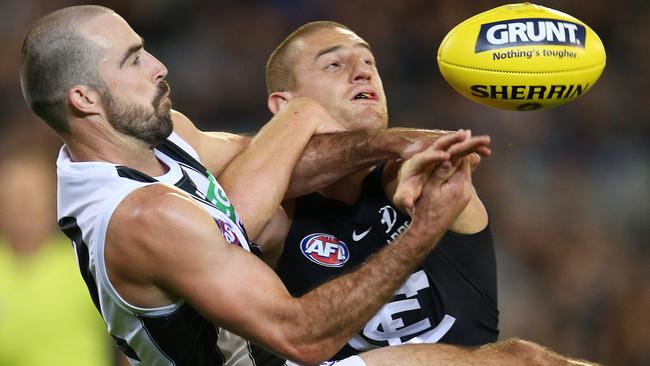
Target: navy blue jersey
450,298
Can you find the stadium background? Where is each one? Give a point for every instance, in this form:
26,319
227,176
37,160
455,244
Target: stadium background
568,188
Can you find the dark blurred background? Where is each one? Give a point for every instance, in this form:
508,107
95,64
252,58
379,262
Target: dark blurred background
567,188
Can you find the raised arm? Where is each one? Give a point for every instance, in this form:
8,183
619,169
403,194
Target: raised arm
257,178
330,157
286,159
325,159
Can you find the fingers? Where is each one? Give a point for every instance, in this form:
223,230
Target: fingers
466,168
483,151
406,195
476,144
455,146
448,171
442,143
445,142
438,164
421,161
413,174
414,148
474,160
442,172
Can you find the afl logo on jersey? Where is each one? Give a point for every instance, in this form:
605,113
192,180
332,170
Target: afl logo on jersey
228,233
325,250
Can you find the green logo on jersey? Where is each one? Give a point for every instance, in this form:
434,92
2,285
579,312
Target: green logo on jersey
217,197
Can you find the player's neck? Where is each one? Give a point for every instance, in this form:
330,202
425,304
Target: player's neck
347,189
120,150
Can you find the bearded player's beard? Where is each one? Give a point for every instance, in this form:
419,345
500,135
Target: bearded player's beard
150,124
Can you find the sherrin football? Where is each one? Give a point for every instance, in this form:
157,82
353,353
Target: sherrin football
521,57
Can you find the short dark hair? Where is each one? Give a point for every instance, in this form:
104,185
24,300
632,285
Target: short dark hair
55,57
279,67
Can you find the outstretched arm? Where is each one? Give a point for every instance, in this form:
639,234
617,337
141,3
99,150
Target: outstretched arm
326,158
330,157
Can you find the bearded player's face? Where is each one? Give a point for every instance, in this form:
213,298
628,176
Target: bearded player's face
336,67
136,102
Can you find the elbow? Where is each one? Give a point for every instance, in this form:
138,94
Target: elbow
306,352
298,339
309,354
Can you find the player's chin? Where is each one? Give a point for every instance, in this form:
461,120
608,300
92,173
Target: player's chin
165,105
371,107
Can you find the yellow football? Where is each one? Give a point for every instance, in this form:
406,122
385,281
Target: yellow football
521,57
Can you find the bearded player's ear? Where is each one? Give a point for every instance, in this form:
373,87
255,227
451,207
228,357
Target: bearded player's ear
277,100
84,100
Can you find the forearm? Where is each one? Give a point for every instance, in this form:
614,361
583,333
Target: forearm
472,219
257,179
332,156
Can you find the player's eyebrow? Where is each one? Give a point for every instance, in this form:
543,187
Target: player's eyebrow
133,49
338,47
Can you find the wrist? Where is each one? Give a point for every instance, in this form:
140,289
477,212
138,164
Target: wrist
388,143
428,231
406,142
305,113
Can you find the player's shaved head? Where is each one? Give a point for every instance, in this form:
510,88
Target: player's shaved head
54,57
280,74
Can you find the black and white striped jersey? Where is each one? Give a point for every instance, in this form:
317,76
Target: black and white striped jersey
88,193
